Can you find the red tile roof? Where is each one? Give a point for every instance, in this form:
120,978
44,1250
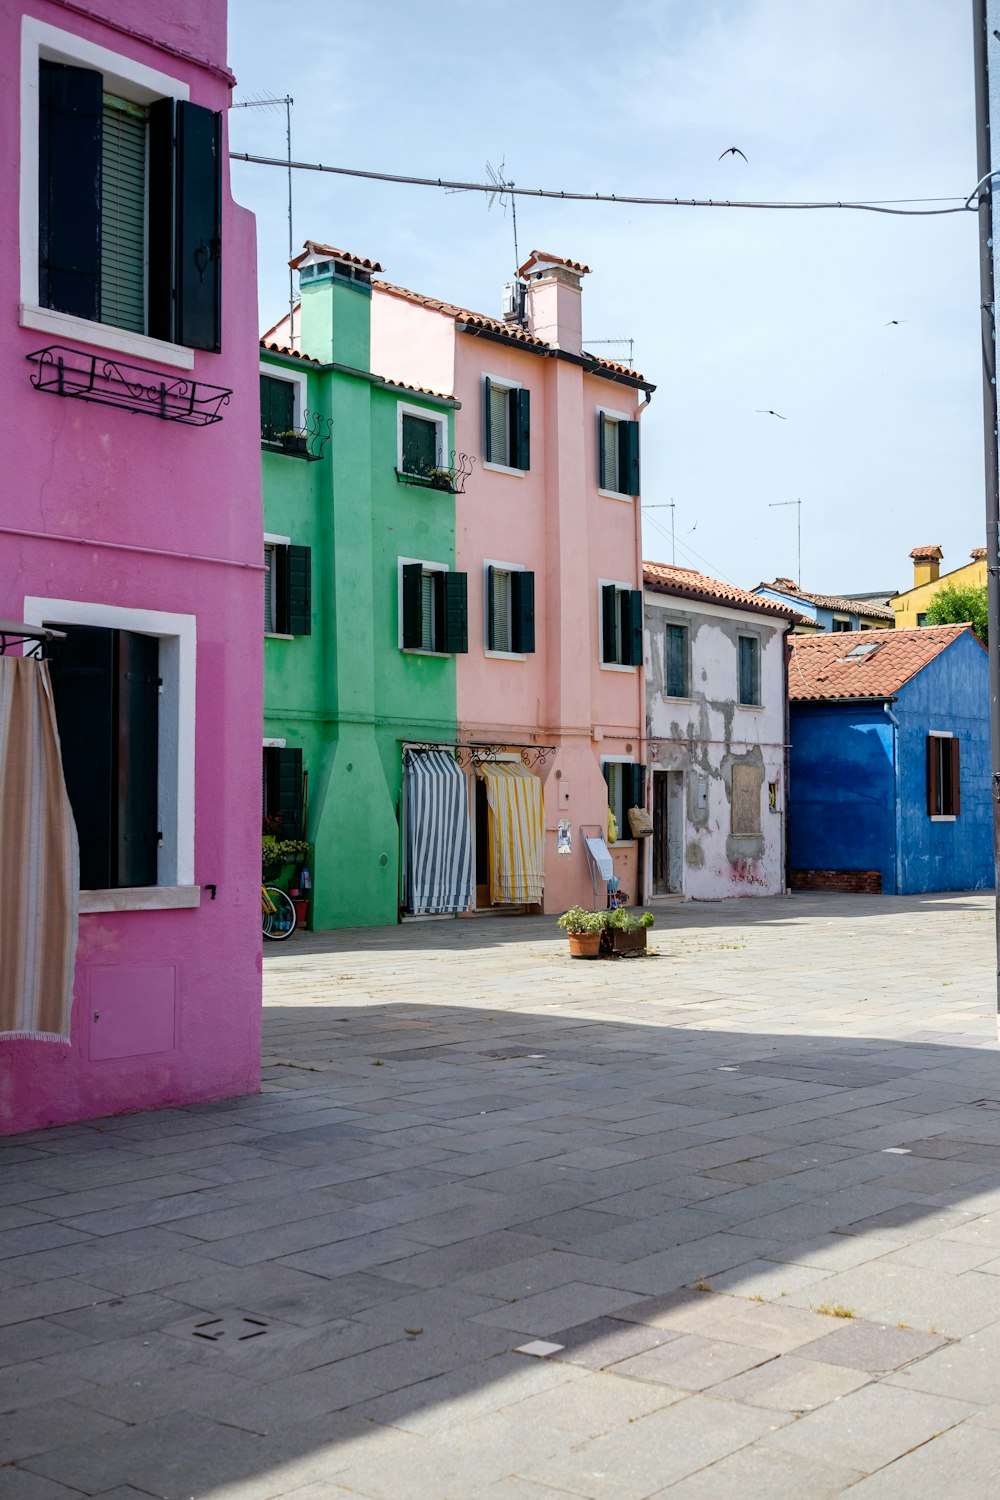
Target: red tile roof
821,667
313,247
510,331
978,554
664,578
544,258
830,601
926,553
419,390
274,348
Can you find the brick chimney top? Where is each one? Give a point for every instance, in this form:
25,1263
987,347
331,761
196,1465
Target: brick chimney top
924,554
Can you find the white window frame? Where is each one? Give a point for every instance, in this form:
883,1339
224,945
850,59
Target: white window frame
296,378
493,562
942,734
440,421
130,80
609,666
272,540
614,416
750,635
177,635
505,383
428,567
619,760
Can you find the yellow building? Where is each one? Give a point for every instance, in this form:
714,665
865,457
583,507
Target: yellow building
911,606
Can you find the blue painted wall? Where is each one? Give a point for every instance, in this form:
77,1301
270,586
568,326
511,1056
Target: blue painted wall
847,761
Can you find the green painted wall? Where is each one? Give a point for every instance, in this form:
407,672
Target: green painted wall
347,694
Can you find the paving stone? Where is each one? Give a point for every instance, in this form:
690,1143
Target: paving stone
47,1298
765,1278
561,1307
759,1473
19,1484
961,1464
894,1294
118,1319
871,1346
445,1401
605,1341
871,1427
35,1340
186,1388
834,1252
792,1383
691,1363
959,1370
27,1432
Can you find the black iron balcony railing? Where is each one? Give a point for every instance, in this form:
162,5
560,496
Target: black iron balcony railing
61,371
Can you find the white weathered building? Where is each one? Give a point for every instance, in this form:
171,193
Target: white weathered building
716,696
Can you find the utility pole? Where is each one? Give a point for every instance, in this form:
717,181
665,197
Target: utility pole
982,41
287,101
776,504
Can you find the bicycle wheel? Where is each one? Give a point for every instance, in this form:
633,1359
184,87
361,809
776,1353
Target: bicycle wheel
281,922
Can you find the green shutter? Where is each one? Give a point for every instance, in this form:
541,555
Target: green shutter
69,189
83,686
420,446
123,215
491,629
452,622
601,451
199,220
413,574
487,420
631,655
628,458
521,428
138,733
609,616
277,407
634,792
522,609
299,590
675,665
287,791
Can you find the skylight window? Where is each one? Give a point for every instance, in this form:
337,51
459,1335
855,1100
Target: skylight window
866,648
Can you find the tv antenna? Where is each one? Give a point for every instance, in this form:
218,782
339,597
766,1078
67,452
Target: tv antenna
776,504
630,360
259,102
499,193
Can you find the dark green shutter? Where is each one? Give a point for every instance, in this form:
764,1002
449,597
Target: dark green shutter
609,614
487,438
491,630
634,792
520,426
71,106
83,686
277,407
420,445
413,606
199,227
299,590
452,623
628,458
522,609
138,731
631,655
601,454
288,791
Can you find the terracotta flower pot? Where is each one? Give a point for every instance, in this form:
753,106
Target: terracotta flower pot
584,944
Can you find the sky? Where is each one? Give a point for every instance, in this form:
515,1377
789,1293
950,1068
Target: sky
730,310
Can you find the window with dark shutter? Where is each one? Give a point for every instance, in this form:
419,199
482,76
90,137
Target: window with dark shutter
626,785
749,670
287,589
506,425
617,455
610,623
123,215
675,663
71,108
943,776
522,612
277,408
413,607
453,613
420,445
299,591
283,790
498,588
106,691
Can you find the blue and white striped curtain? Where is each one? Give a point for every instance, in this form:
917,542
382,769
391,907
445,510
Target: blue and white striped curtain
438,834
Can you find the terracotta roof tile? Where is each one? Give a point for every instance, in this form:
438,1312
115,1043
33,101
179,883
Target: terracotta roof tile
313,247
664,578
543,257
273,348
491,325
822,667
925,553
419,390
978,554
830,601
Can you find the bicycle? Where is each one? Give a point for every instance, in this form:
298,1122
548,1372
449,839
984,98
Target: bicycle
278,915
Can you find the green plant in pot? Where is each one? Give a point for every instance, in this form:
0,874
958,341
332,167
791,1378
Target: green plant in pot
583,929
624,934
294,441
277,852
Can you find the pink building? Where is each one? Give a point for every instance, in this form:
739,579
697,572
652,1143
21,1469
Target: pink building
548,533
131,520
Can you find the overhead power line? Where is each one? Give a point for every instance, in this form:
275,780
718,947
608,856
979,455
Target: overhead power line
875,206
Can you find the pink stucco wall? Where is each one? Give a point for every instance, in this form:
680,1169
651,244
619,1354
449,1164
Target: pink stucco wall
554,521
86,477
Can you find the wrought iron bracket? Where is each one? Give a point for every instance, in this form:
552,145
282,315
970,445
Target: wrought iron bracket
451,480
33,640
308,441
532,756
61,371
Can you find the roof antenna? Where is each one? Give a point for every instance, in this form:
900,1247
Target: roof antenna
259,102
501,195
798,529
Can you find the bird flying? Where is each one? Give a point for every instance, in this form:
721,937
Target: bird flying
765,411
893,322
734,151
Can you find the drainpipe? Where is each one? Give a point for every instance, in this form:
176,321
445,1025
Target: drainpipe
897,808
640,866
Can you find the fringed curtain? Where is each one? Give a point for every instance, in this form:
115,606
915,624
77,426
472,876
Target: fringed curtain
517,836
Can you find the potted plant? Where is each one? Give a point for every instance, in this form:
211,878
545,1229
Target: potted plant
441,479
276,853
583,929
624,935
292,441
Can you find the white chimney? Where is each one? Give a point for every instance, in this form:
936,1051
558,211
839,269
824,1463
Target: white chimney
553,300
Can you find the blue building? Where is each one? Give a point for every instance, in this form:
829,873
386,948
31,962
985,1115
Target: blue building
828,612
889,778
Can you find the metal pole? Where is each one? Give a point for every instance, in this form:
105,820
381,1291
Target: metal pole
981,38
798,536
291,241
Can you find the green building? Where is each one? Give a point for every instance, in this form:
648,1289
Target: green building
363,609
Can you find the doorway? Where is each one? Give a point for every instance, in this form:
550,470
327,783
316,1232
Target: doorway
668,833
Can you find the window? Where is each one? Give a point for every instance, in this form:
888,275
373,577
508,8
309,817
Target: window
420,440
617,454
749,669
676,682
277,408
745,807
943,775
510,609
626,784
621,625
129,195
506,425
434,610
839,624
282,791
287,588
922,619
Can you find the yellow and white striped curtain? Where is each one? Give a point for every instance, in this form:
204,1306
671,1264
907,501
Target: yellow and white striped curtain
517,832
39,860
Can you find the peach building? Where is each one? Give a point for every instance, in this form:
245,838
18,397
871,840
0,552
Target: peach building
548,535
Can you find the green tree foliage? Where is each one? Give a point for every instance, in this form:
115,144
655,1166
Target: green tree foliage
960,606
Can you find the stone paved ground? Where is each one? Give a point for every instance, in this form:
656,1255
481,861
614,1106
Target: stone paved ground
743,1194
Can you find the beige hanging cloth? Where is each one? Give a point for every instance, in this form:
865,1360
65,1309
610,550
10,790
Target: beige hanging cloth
517,832
39,860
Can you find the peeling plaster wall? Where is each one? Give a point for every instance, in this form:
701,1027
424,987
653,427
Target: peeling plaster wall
706,734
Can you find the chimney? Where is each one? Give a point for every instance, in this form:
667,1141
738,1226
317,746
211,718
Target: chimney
335,290
553,299
926,564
